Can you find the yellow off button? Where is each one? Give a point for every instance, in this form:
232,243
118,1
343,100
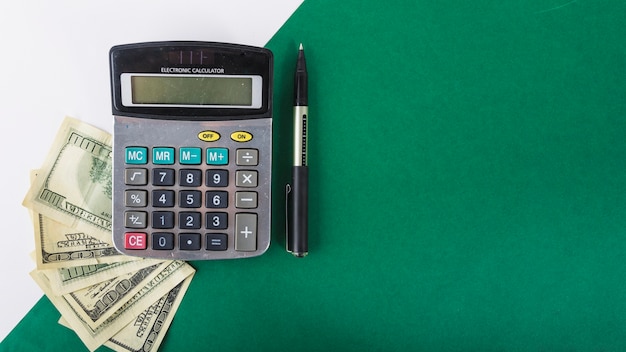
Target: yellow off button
241,136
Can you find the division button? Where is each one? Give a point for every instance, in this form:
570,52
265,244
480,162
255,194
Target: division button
247,157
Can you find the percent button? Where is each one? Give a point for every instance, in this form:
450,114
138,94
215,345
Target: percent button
136,198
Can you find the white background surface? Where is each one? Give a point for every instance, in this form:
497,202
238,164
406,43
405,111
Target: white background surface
54,62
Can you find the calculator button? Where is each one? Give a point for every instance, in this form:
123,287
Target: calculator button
216,241
189,241
209,136
247,157
163,156
135,219
190,177
241,136
136,198
163,219
246,179
189,220
136,155
217,156
246,200
163,177
190,199
217,178
217,199
162,198
162,241
136,177
135,240
245,232
216,221
190,156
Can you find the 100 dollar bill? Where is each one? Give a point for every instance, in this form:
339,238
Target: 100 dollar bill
147,331
164,282
74,184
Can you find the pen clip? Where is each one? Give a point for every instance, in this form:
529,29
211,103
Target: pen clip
287,214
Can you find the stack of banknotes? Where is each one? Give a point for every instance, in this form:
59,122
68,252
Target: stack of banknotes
124,303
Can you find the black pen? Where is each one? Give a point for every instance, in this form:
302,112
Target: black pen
298,192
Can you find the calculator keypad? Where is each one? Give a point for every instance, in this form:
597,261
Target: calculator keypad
192,199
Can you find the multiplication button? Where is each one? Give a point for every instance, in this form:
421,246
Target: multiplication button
245,178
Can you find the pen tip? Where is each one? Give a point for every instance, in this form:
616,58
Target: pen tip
301,48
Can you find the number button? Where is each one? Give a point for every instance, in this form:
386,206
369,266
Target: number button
163,219
163,177
162,241
217,199
189,220
190,199
162,198
217,178
190,177
216,221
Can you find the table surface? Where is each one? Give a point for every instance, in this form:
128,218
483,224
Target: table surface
467,166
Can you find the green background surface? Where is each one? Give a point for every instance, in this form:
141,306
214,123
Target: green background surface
468,188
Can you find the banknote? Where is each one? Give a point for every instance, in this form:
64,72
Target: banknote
60,246
70,279
98,302
74,184
147,331
164,282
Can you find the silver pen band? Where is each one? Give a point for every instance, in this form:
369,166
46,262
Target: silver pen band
300,135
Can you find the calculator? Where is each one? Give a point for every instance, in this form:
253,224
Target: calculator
192,149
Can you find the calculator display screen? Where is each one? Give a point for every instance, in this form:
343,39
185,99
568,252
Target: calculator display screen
203,91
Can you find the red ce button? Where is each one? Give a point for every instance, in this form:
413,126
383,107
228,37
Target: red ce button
135,240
